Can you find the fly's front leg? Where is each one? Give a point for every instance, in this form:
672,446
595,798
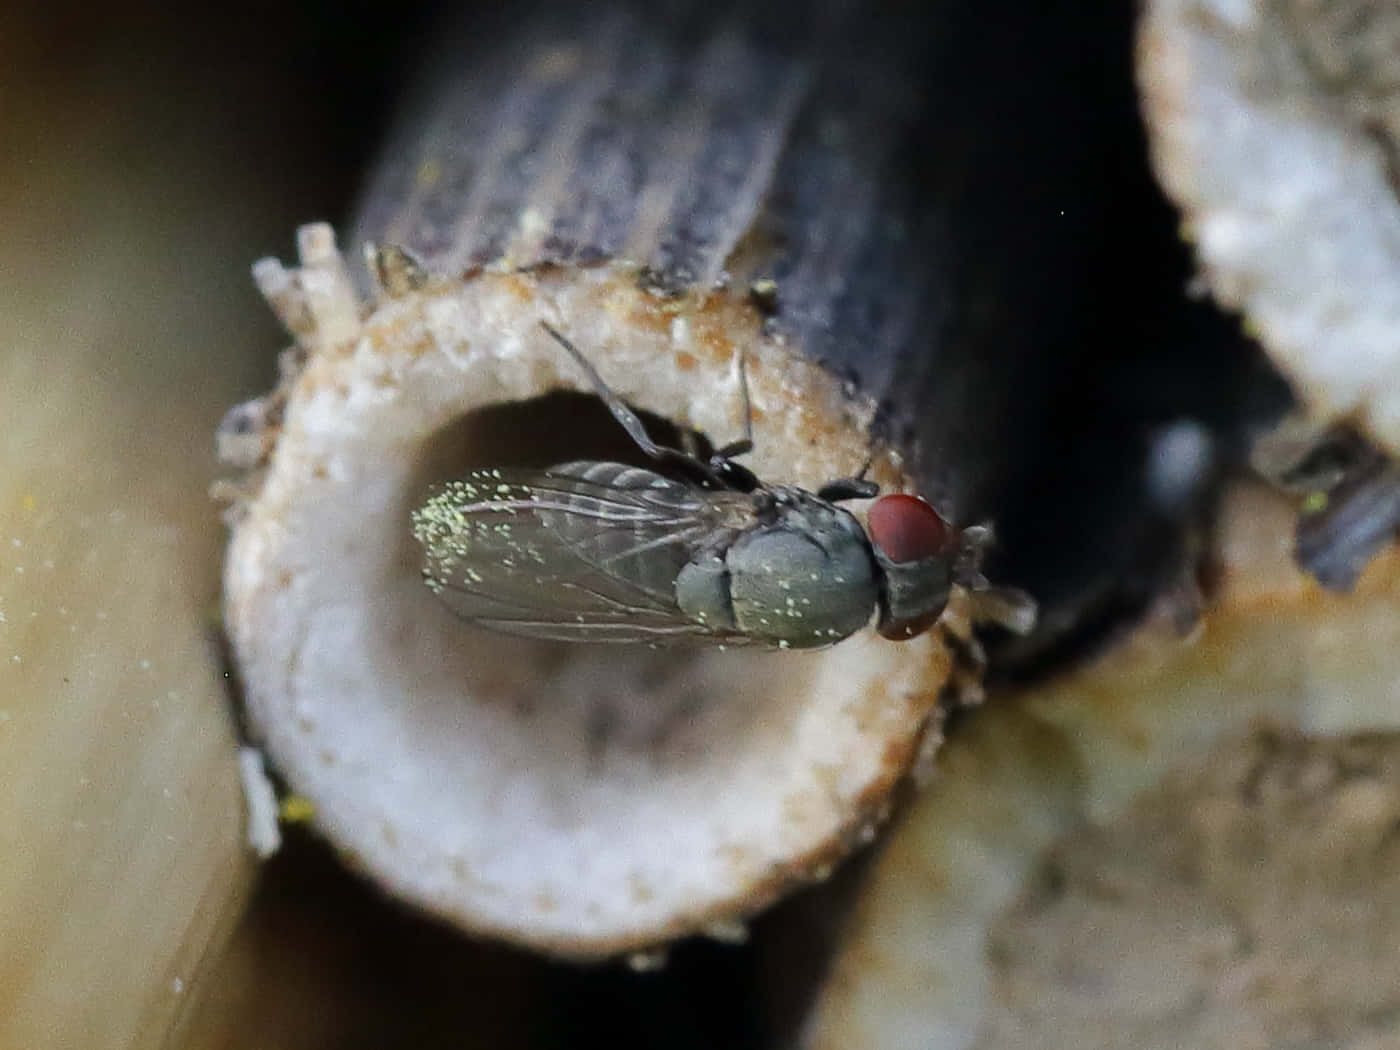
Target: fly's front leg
854,487
964,687
631,423
848,488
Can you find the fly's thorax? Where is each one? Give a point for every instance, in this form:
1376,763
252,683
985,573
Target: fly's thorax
917,553
805,577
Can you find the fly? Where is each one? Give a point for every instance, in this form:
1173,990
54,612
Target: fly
595,551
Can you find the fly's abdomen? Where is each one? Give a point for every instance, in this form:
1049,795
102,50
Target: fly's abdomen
624,541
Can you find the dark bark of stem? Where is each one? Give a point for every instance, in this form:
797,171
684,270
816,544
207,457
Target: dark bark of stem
832,152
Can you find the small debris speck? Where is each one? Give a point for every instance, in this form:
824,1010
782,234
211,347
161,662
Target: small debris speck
647,962
263,835
296,809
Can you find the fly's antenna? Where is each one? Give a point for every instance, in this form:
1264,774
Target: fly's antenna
629,419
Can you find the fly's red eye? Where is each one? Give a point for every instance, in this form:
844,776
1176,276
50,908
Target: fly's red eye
906,528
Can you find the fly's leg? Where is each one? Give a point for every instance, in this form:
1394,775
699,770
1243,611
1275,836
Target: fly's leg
722,462
855,487
745,443
848,488
620,412
629,419
1007,607
720,472
964,685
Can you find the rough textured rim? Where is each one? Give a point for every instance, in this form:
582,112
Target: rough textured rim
1284,190
492,813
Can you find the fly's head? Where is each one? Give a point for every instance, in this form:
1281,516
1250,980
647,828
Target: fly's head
917,553
921,557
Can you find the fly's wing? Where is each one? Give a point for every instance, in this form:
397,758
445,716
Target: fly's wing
579,552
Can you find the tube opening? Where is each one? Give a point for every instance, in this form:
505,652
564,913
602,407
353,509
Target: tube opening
598,703
542,432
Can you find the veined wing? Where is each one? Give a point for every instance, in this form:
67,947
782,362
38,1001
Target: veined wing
584,551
